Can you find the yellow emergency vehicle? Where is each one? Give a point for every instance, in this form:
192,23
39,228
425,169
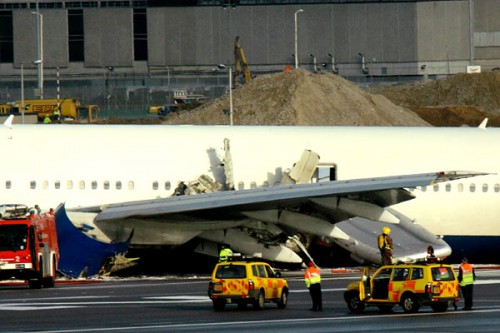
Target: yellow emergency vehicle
408,285
243,283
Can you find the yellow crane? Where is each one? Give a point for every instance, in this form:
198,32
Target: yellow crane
240,63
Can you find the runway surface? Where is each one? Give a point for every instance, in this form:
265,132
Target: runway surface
182,305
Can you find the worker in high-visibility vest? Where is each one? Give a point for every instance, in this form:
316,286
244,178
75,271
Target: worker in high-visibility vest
466,278
312,278
385,246
225,254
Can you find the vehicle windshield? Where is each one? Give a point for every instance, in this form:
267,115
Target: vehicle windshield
230,272
13,237
442,274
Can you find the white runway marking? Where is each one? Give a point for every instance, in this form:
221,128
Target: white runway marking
27,307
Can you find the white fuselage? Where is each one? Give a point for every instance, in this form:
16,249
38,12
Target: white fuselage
94,165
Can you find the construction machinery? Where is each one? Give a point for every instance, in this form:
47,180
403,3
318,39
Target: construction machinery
242,71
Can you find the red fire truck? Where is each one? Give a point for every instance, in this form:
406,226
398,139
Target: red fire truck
28,246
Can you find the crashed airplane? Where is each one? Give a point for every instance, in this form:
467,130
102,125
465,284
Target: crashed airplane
267,191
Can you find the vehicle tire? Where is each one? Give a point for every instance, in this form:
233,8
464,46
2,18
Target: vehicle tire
409,303
354,303
439,307
219,305
259,302
35,283
283,299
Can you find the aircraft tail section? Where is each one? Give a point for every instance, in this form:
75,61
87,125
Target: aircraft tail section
80,255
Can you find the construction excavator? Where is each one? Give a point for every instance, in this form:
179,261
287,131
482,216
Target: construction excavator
242,71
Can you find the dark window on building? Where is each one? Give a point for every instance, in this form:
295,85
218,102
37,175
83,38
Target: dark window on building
140,34
78,4
6,37
75,35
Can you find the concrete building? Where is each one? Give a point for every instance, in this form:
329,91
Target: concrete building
130,53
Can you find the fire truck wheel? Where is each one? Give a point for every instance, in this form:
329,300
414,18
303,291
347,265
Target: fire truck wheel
35,283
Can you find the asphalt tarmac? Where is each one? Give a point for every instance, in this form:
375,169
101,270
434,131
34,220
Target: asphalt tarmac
173,304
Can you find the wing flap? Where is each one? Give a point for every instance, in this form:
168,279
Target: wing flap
410,239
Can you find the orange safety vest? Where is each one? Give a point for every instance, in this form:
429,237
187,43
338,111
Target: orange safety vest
467,274
312,276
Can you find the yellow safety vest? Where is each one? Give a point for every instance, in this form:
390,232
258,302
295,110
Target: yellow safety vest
382,242
467,275
312,276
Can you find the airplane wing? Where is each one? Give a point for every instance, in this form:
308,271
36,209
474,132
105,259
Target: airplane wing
382,191
266,221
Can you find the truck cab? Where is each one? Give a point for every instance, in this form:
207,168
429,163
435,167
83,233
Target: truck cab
29,249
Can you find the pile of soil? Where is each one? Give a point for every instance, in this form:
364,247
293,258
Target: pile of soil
303,98
462,99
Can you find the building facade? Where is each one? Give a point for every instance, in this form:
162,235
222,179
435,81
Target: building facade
131,46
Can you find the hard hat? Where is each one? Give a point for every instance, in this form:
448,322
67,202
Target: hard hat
386,230
310,264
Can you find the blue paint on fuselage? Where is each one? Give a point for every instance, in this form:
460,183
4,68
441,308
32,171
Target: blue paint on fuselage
80,255
477,249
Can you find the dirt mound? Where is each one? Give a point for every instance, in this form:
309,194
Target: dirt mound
462,99
300,98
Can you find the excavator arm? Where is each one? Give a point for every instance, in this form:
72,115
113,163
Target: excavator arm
240,62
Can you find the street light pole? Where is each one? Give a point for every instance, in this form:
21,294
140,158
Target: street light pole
22,93
230,96
39,37
296,41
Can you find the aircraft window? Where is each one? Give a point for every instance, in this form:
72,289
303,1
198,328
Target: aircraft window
33,185
436,187
497,187
167,185
253,185
81,185
118,185
241,186
130,185
8,184
485,187
448,187
69,184
94,185
155,186
106,185
45,184
472,187
57,184
460,187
